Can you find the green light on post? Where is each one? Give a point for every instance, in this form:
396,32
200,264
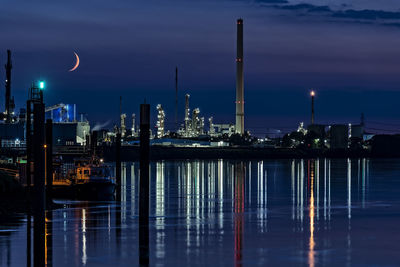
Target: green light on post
42,85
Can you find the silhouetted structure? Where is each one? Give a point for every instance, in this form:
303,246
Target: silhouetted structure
144,185
49,160
118,164
239,80
9,101
176,99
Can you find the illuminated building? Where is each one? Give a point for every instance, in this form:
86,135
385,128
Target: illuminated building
123,124
211,132
160,121
67,130
187,115
193,127
61,113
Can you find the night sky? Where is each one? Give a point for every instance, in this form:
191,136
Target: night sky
348,51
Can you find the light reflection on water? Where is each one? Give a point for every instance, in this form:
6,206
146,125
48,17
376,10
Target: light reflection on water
299,212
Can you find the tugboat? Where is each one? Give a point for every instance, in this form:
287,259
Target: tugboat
89,178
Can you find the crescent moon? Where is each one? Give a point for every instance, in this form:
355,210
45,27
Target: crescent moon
77,62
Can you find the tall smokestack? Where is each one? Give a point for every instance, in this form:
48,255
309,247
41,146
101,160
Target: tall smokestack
9,104
239,80
176,98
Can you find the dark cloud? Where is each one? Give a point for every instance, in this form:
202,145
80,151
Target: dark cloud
368,14
272,1
386,18
306,7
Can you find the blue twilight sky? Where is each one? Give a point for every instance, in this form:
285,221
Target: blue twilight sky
349,51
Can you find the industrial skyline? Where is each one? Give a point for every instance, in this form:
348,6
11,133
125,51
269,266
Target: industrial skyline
199,133
284,59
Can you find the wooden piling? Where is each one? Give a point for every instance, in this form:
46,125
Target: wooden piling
39,184
49,161
28,138
144,185
118,165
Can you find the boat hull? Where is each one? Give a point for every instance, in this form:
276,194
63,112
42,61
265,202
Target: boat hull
86,191
94,190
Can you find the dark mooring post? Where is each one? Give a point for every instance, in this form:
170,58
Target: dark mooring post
49,161
28,137
144,185
39,184
118,164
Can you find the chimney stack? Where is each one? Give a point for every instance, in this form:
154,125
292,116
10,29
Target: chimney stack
239,80
9,101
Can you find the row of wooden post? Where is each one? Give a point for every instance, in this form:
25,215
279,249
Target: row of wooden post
40,145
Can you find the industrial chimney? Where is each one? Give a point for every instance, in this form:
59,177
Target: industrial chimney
239,80
9,101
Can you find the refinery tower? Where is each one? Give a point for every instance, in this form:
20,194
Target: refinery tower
239,80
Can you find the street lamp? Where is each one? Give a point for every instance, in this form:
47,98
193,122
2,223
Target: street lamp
312,93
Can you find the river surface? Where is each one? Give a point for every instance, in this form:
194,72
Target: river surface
322,212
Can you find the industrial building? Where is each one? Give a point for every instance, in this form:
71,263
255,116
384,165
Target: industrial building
67,130
160,121
70,133
193,126
61,113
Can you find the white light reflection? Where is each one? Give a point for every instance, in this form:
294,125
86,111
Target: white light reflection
160,210
123,191
84,256
221,193
349,188
249,182
197,195
188,197
363,183
329,190
262,196
298,192
293,185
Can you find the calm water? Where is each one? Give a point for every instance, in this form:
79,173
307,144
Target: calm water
278,212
